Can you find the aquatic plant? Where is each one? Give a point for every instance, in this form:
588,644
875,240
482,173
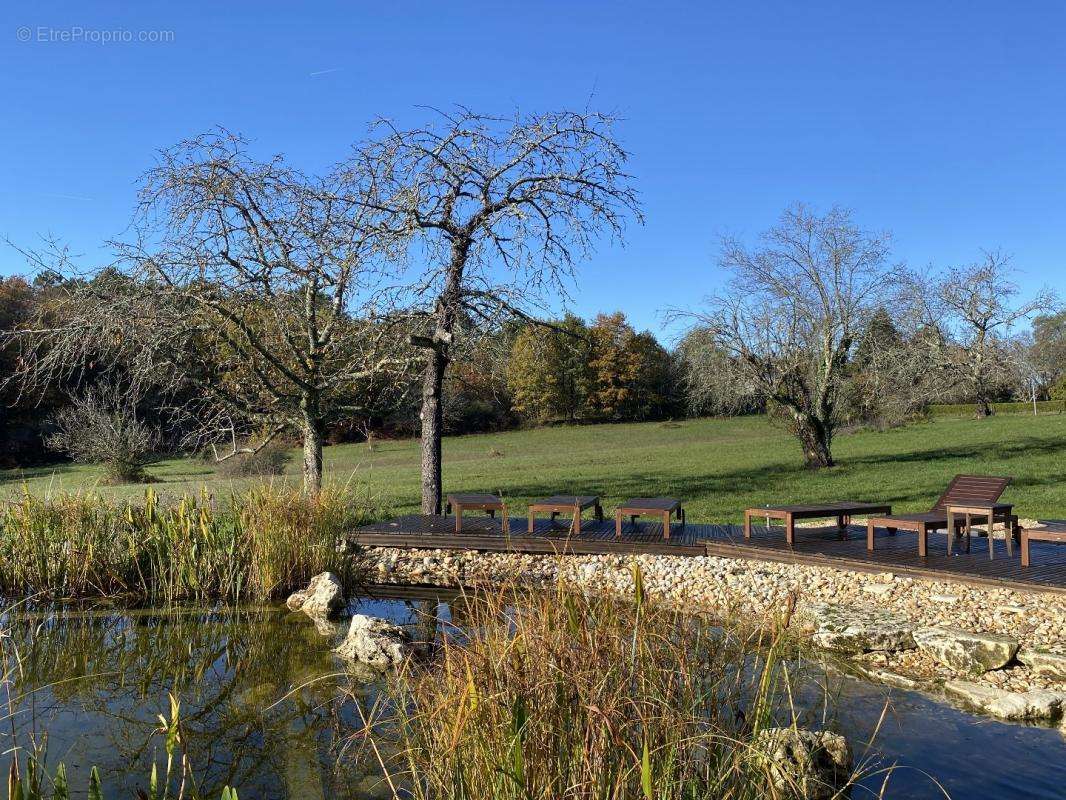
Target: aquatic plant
258,545
546,696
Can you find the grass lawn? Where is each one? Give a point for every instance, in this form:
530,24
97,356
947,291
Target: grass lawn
717,466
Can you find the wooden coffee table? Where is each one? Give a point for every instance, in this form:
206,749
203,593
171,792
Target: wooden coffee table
648,507
566,504
1053,532
843,512
477,502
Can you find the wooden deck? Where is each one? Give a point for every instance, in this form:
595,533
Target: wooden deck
816,546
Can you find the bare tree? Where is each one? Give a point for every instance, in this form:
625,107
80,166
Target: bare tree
247,287
787,322
498,212
101,426
979,305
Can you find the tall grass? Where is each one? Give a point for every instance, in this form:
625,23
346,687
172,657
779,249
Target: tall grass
562,695
258,545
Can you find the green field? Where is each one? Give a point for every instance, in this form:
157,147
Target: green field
718,466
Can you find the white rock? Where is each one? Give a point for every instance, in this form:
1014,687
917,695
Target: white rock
1044,662
322,597
860,630
1042,704
973,653
376,642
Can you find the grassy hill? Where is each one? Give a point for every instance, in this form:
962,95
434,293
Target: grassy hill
718,466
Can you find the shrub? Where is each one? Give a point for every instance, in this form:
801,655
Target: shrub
271,459
101,427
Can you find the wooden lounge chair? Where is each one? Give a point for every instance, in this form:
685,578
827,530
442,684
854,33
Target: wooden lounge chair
964,491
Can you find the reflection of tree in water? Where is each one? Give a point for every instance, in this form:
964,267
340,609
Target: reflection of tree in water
230,670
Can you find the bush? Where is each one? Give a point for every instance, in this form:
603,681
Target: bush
271,459
101,427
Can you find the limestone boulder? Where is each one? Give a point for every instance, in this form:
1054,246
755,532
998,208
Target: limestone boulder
1044,662
323,597
1038,704
812,765
857,630
376,642
965,652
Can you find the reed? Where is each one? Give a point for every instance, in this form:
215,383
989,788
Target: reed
563,695
256,546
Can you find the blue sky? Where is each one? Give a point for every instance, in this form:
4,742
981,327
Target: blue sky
944,123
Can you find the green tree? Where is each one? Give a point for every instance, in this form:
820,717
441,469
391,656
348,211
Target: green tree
548,373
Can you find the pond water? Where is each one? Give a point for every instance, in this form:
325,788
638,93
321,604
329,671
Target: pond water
262,710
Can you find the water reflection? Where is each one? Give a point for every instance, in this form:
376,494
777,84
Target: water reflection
263,707
259,688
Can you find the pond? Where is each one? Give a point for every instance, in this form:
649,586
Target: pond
262,708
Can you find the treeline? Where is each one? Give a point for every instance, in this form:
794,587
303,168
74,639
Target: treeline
571,370
523,373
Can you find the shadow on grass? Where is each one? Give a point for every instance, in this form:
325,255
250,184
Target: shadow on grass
22,474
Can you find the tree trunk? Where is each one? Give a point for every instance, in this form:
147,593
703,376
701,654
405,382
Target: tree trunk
312,435
982,408
815,438
432,430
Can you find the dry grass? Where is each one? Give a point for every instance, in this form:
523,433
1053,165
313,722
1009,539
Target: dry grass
546,696
256,546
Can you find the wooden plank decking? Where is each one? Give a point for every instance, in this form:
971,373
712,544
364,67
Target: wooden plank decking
817,546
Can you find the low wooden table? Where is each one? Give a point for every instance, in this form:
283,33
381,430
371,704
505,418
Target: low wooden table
477,502
993,512
566,504
843,512
648,507
1053,532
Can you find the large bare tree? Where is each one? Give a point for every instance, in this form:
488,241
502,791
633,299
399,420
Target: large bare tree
979,307
498,212
245,287
785,325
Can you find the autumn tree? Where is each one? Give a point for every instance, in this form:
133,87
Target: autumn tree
789,318
548,370
245,280
497,211
629,370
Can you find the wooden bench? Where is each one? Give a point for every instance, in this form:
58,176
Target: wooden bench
566,504
648,507
477,502
842,511
1053,532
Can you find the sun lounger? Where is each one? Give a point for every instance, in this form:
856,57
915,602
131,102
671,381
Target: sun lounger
974,497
